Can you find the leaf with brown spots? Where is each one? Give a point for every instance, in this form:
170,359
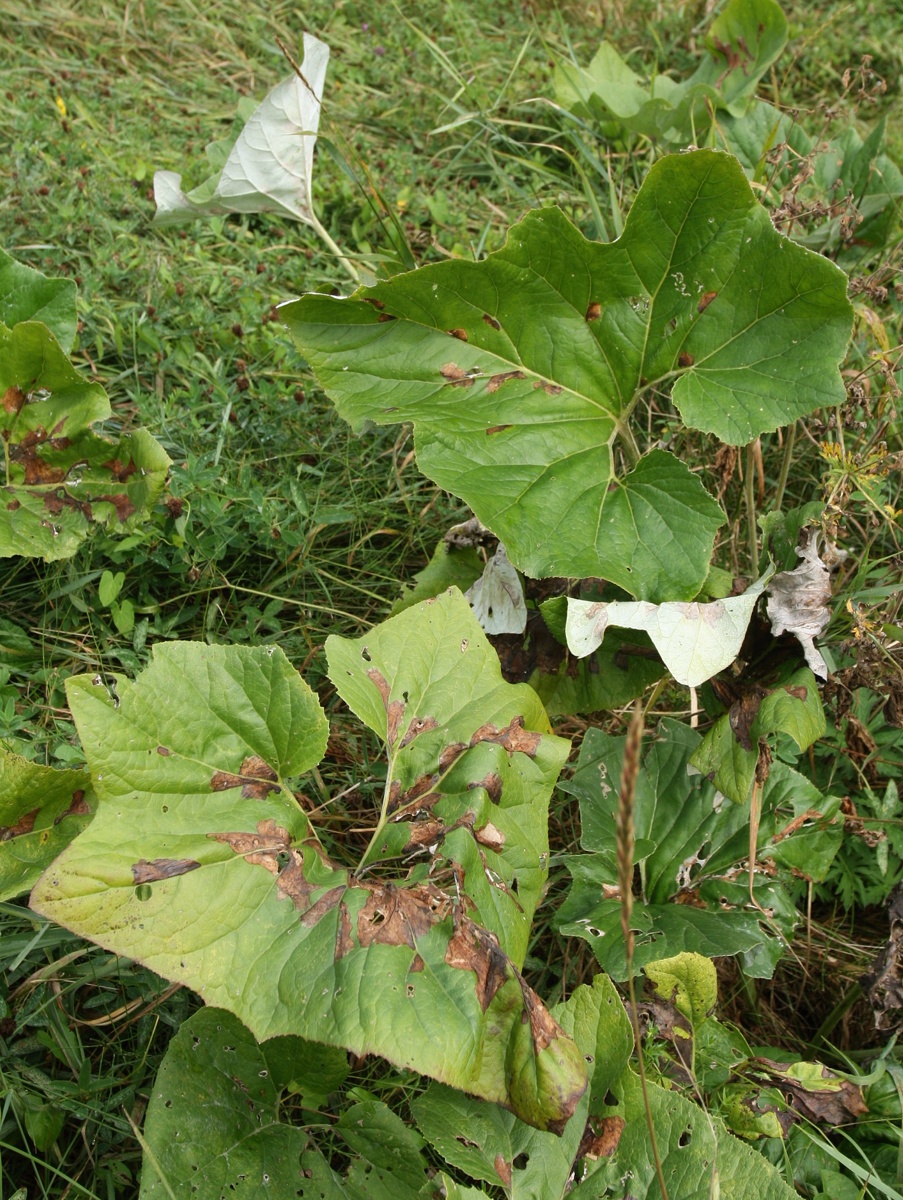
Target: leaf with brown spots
266,924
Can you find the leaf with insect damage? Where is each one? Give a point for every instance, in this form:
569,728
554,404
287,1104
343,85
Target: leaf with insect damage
270,166
62,478
520,372
202,863
41,811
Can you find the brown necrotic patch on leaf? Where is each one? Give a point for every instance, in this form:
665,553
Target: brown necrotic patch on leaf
593,312
417,726
600,1138
460,334
685,360
13,506
491,784
256,780
123,505
491,321
497,429
513,738
156,869
261,848
25,824
13,399
550,389
502,1168
424,834
496,381
120,472
490,837
455,374
473,948
78,808
705,300
798,602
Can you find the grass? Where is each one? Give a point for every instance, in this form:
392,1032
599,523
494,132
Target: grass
282,525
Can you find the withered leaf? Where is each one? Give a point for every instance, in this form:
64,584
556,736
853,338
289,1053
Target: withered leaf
813,1091
25,824
600,1138
798,603
496,381
256,779
514,737
883,983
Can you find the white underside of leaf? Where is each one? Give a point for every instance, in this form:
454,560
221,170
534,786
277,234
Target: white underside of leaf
696,641
497,597
269,168
798,604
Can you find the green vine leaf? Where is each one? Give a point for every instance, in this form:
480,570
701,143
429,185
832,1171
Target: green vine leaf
60,477
41,811
202,864
700,292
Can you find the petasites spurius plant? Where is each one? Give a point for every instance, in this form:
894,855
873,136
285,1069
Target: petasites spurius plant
521,373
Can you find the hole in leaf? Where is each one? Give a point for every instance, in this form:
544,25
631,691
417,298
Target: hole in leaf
365,655
167,1104
684,1139
611,1100
410,991
520,1162
588,1058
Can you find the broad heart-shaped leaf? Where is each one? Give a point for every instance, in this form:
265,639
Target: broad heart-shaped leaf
27,295
695,640
201,864
61,478
688,840
41,811
520,371
270,166
472,761
493,1146
212,1124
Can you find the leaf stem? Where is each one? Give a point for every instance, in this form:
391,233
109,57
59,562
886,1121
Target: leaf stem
340,254
785,466
749,489
629,443
625,836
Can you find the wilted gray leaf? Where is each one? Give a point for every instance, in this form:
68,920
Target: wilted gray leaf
497,597
798,603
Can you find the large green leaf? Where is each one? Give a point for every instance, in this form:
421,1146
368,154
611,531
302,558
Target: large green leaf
27,295
520,371
41,811
201,863
472,763
493,1146
60,477
690,844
